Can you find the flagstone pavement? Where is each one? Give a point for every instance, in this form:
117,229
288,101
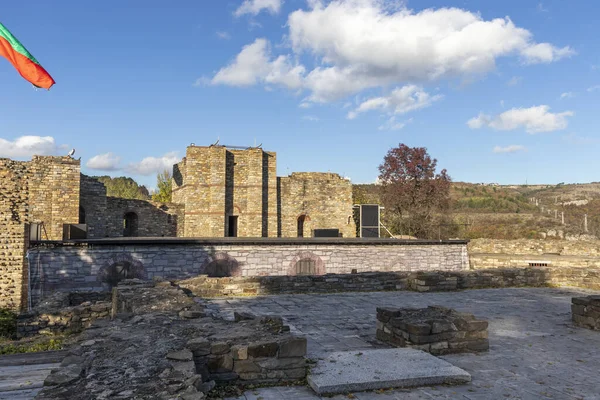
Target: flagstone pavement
535,351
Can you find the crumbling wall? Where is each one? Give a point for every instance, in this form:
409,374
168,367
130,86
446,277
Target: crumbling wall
14,196
153,219
93,204
320,200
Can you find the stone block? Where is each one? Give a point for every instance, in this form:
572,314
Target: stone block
219,348
180,355
263,349
281,363
245,366
199,346
239,352
295,347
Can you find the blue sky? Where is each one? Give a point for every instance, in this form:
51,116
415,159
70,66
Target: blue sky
497,91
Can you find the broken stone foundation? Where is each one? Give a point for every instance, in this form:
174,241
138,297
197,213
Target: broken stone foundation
586,312
435,329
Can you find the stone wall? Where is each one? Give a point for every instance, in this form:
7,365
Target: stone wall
64,312
524,253
217,183
320,200
44,190
586,312
93,206
86,267
153,219
436,281
13,215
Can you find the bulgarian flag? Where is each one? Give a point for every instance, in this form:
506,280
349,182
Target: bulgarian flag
23,61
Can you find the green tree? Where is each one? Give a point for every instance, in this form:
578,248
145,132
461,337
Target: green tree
124,187
164,187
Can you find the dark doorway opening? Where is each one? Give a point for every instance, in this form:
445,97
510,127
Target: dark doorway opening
232,228
81,215
130,224
301,220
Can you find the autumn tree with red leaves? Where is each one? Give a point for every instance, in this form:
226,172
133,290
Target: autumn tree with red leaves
415,197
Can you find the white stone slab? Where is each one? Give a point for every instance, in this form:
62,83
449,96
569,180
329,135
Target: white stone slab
355,371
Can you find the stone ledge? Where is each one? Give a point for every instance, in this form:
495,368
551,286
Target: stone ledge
586,312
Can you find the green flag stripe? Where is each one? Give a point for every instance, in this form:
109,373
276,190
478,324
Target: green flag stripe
5,33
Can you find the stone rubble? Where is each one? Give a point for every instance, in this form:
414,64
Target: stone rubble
162,344
586,312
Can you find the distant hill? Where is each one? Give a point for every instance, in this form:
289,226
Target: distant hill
510,211
124,187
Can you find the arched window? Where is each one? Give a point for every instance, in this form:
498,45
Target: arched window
81,215
130,224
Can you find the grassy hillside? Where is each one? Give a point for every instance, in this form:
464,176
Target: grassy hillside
507,212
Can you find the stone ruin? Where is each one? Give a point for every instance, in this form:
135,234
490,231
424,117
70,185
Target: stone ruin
161,343
586,312
435,329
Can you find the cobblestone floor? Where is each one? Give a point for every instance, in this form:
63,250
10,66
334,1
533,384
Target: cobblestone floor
535,351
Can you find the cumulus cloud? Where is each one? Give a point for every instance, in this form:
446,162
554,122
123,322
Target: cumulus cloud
534,119
400,101
154,165
255,64
513,148
223,35
593,88
361,44
27,146
105,162
254,7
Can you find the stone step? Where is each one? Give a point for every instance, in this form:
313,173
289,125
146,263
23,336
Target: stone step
355,371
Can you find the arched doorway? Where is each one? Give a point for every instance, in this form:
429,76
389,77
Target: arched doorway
130,224
302,220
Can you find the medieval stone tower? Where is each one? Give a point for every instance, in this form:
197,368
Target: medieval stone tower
235,192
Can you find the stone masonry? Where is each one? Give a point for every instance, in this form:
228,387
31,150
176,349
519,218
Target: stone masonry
586,312
435,329
229,192
44,190
84,267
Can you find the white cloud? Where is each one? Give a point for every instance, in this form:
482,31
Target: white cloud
541,8
502,103
154,165
105,162
255,64
311,118
534,119
254,7
400,101
361,44
567,95
393,125
513,148
515,80
593,88
223,35
27,146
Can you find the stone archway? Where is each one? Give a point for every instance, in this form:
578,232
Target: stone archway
221,265
119,267
130,224
306,263
303,220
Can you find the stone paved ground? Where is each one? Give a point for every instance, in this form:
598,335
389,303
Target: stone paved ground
535,351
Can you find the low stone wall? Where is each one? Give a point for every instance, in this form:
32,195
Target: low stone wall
71,319
535,247
89,265
586,312
436,330
436,281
